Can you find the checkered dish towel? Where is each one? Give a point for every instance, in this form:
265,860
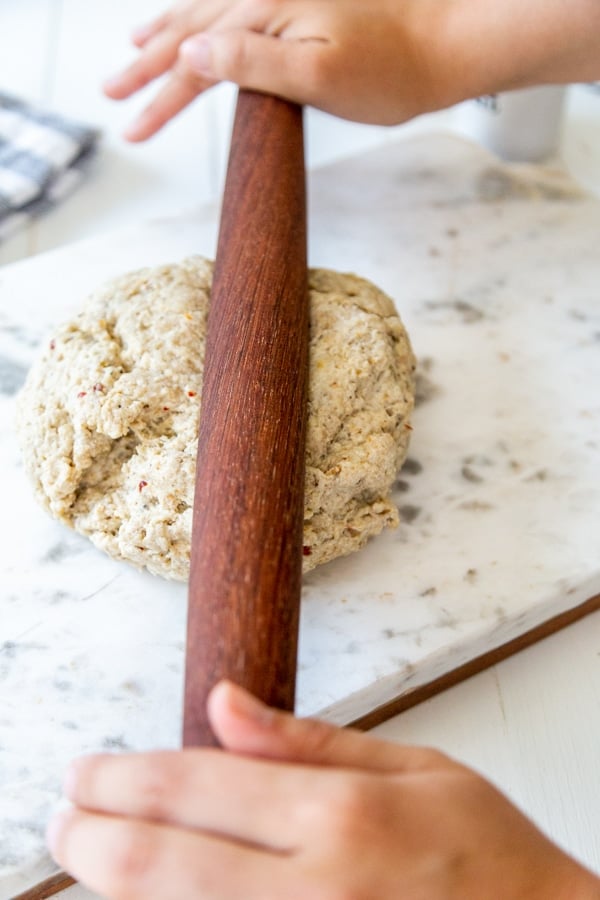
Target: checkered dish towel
42,158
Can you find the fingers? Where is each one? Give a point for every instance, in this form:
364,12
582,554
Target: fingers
245,725
159,54
261,62
159,43
203,61
250,800
255,61
142,34
178,92
243,42
125,858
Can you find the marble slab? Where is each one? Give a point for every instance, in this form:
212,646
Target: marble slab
496,272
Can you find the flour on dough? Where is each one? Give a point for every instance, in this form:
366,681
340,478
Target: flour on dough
108,417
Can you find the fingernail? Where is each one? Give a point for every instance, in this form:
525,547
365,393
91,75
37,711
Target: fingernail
140,129
197,52
110,83
248,706
133,131
114,87
141,33
56,830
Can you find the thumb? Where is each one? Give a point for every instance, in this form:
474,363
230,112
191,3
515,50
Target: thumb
253,60
245,725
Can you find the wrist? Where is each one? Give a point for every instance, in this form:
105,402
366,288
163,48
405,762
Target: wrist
488,47
434,42
449,40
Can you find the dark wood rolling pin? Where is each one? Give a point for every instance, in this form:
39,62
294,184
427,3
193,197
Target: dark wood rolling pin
244,593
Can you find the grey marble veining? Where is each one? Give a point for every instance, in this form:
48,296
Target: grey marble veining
495,271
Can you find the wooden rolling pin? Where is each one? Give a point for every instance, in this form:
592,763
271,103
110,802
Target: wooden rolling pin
244,593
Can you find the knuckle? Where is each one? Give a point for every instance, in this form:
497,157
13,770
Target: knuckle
356,800
318,739
468,782
184,78
430,758
359,816
130,868
231,56
351,805
157,785
321,73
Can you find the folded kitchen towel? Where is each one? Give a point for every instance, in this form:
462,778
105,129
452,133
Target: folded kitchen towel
42,158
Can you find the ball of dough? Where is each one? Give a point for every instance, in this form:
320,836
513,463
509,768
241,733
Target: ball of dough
108,417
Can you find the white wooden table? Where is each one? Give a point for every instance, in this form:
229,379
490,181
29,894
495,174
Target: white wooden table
530,724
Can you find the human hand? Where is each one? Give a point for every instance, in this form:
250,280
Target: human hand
363,61
302,810
380,62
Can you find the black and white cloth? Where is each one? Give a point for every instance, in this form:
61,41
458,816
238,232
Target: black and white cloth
43,156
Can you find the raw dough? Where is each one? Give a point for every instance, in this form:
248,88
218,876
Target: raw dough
108,417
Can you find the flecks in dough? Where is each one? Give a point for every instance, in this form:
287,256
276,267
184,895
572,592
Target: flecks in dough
108,417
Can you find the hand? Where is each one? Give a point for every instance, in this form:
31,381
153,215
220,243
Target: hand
302,810
381,61
361,61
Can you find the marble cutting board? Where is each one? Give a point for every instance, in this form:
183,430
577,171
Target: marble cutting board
496,273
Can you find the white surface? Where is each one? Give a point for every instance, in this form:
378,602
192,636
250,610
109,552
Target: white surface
536,718
519,125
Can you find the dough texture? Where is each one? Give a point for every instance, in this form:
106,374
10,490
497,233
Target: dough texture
108,417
